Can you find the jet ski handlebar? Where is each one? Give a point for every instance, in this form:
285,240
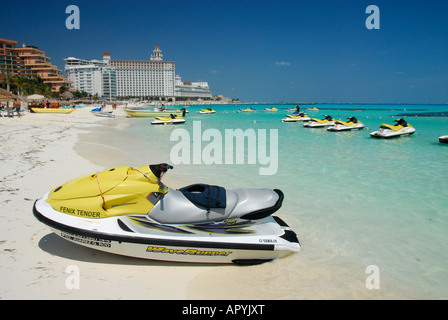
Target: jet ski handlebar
160,168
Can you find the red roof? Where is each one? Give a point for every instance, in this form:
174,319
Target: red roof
106,53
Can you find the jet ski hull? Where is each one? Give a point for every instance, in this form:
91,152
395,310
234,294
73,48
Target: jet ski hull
106,114
443,139
388,134
315,124
289,119
345,128
171,121
240,241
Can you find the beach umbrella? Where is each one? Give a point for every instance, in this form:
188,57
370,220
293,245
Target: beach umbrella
67,95
4,94
35,97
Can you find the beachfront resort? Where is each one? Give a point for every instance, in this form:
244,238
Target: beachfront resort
111,79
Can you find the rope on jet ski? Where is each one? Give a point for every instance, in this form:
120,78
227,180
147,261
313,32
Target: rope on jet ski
99,187
144,174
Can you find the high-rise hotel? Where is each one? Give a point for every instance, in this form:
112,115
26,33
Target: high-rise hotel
92,76
153,78
124,78
31,62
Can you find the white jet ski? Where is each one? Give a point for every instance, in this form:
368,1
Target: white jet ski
100,113
172,119
129,211
352,124
401,128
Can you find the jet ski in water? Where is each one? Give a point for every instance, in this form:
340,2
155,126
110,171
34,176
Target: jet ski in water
296,117
129,211
207,111
352,124
401,128
319,123
172,119
443,139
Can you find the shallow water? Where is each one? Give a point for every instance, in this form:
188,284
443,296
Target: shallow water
354,201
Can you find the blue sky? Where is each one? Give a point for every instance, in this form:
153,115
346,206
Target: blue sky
317,51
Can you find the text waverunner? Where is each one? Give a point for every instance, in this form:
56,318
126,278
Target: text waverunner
401,128
351,124
129,211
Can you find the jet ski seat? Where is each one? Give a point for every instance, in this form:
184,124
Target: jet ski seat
205,195
205,203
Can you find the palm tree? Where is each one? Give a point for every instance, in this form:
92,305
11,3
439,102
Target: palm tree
7,77
62,89
20,82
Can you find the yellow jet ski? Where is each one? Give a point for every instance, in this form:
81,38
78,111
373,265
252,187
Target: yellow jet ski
172,119
247,110
352,124
296,117
401,128
207,111
320,123
129,211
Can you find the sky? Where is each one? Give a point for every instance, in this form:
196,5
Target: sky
255,50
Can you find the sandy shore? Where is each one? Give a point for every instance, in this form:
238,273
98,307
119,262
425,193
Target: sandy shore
37,155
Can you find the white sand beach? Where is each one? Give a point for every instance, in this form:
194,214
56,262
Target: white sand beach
37,154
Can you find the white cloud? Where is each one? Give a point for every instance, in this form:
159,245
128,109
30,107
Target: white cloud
282,63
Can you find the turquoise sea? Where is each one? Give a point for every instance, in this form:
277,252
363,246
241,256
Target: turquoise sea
354,201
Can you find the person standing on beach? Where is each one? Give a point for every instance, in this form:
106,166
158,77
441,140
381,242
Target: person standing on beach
17,107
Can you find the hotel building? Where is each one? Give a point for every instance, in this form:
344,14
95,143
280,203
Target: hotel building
92,76
191,89
130,78
30,62
9,60
153,78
